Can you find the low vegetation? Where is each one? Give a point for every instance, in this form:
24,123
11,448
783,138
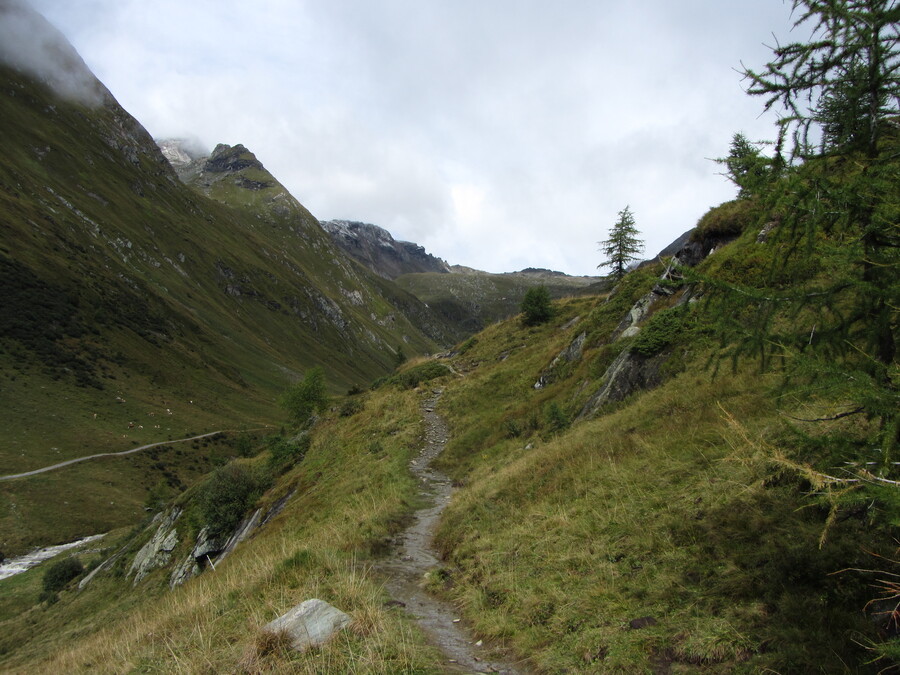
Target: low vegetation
732,509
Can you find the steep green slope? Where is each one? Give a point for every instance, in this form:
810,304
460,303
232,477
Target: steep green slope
135,310
234,176
679,526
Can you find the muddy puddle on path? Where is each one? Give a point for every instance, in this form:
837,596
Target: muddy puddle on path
414,555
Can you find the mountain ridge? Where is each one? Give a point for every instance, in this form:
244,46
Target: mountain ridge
137,309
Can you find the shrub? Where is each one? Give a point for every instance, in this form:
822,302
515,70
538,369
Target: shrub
555,418
306,397
244,445
660,331
60,573
468,344
285,453
227,495
410,379
350,407
536,306
512,428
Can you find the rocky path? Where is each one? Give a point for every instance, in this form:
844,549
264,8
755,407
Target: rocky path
415,556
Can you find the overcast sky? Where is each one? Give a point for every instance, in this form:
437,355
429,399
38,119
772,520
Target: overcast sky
499,134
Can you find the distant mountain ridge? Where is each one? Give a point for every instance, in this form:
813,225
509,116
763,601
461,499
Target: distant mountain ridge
375,248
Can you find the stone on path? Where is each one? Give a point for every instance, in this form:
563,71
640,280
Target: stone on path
309,624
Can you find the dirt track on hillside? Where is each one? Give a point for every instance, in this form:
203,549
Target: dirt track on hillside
414,556
102,454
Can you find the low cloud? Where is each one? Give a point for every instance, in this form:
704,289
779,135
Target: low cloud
29,43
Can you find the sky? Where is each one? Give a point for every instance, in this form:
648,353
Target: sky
498,134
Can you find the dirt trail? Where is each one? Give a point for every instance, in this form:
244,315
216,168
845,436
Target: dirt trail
415,555
69,462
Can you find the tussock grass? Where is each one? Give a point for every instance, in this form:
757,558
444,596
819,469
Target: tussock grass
661,508
349,501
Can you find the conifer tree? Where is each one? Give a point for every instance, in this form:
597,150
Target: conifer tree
623,245
748,168
536,306
837,202
852,56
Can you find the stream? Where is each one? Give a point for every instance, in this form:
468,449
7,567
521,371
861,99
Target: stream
25,562
415,556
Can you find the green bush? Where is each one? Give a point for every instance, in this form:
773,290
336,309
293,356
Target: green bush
227,495
536,307
350,407
468,344
660,331
244,445
306,396
555,417
286,453
410,379
60,573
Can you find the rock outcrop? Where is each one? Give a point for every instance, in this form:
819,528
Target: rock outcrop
158,551
208,550
375,248
570,354
631,372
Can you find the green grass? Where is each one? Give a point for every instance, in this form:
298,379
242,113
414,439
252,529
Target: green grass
661,507
126,293
678,504
349,502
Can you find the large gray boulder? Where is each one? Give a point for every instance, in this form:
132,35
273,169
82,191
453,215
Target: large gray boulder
157,552
309,624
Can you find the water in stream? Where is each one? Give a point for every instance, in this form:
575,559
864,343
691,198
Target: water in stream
25,562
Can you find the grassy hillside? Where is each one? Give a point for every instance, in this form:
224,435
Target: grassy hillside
135,310
474,299
694,471
683,528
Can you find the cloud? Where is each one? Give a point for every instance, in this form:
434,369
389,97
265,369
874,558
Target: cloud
498,134
28,42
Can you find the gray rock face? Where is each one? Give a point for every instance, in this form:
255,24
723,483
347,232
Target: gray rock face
205,549
157,552
208,552
631,372
628,373
309,624
568,355
375,248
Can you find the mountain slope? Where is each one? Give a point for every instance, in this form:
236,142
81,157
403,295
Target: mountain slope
235,177
672,529
475,299
135,310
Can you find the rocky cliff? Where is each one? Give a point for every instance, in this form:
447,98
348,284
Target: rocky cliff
375,248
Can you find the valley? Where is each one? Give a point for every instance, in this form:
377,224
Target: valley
686,466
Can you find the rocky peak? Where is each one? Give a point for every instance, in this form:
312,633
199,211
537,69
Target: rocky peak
375,248
231,158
